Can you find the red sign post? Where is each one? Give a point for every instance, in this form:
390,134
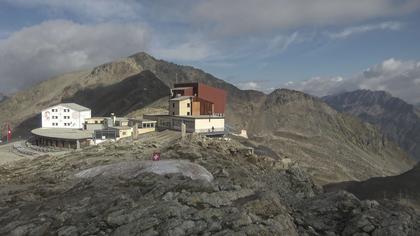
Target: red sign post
156,156
9,133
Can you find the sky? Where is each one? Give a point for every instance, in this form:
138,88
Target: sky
317,46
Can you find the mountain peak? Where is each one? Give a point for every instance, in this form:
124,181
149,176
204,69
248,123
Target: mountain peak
142,57
398,120
286,95
369,98
372,93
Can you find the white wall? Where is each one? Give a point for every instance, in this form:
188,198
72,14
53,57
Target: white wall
59,117
83,116
180,107
206,125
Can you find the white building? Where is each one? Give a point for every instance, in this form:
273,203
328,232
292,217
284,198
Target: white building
65,115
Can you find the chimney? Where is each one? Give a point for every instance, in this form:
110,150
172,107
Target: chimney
113,119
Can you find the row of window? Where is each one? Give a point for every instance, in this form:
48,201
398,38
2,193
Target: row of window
188,113
56,110
56,124
188,105
65,117
148,125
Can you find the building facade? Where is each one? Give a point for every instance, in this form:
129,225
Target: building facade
198,106
214,125
181,106
204,99
65,115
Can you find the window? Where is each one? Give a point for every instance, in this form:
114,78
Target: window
55,117
96,122
188,113
173,104
66,110
188,105
54,110
66,117
124,133
173,113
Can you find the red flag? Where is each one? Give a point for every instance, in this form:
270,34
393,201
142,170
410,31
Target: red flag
9,133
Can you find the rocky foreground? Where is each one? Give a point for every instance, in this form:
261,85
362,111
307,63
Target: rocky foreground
240,194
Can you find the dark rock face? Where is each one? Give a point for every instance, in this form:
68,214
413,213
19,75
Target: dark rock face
398,120
404,188
130,94
249,195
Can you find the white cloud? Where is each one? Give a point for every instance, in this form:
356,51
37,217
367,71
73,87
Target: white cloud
54,47
260,85
235,17
400,78
90,9
365,28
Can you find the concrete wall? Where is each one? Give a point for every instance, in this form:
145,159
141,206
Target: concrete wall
207,125
146,130
63,117
93,127
126,133
83,116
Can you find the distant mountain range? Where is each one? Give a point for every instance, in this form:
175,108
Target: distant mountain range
332,146
398,120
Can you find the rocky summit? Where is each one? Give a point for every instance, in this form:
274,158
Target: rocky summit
217,187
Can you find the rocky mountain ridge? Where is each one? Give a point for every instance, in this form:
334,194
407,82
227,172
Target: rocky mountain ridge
327,143
292,123
248,195
397,119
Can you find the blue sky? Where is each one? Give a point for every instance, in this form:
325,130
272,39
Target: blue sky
259,45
